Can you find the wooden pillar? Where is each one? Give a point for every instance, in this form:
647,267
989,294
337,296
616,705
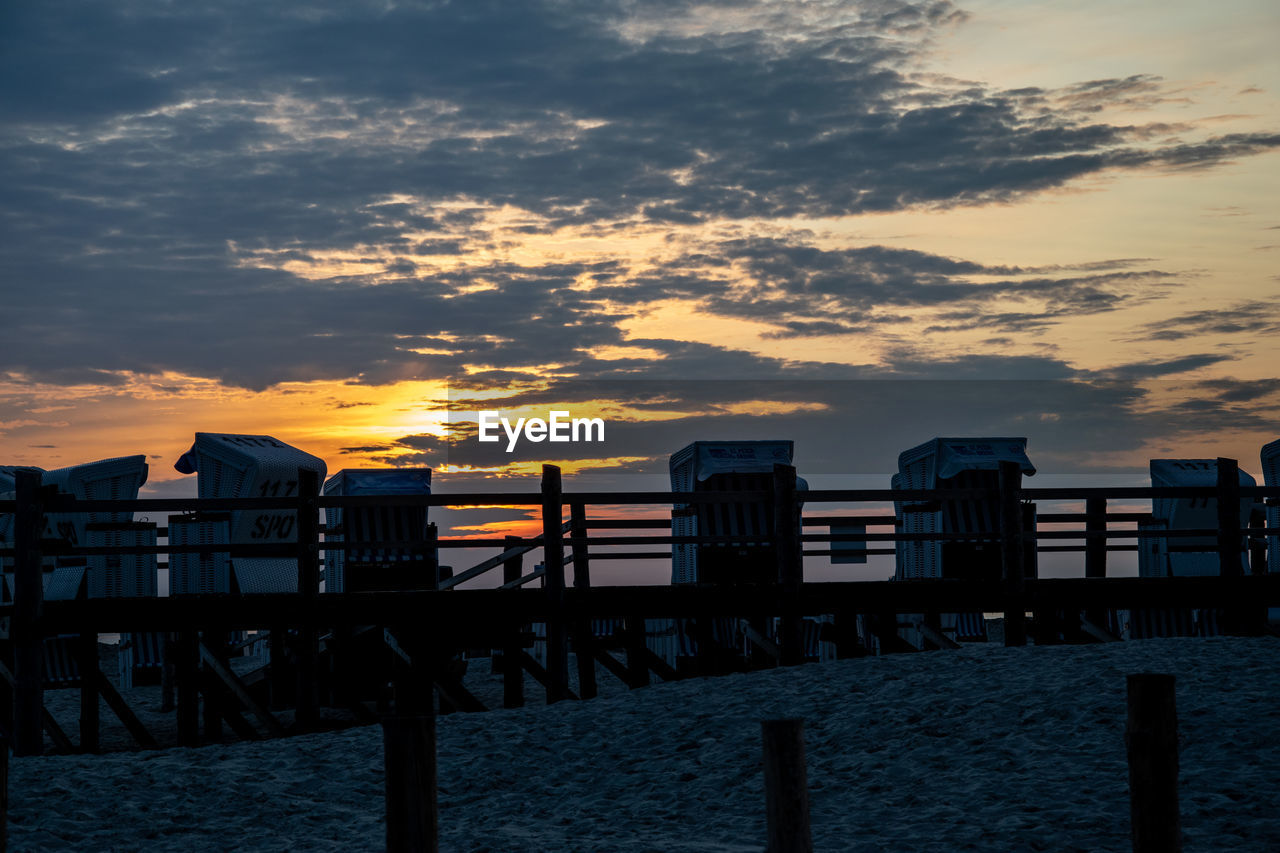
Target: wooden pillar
1012,554
786,788
87,661
216,641
409,759
308,706
28,608
187,672
553,563
166,672
584,637
1229,559
1151,739
633,632
512,671
4,793
790,565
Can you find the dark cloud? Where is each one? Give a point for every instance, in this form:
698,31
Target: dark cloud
261,193
1253,318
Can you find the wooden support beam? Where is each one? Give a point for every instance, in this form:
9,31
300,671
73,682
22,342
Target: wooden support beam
614,666
553,564
1151,740
307,715
935,636
28,608
409,758
634,640
450,685
219,669
187,674
539,673
663,669
1012,553
786,787
62,743
760,641
584,640
228,713
512,672
790,562
87,662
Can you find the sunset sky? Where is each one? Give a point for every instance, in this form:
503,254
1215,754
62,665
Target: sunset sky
857,225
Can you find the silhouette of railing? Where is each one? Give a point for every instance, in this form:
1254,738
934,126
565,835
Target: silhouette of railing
421,630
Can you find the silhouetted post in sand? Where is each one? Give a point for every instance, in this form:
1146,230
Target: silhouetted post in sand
28,607
409,760
790,565
308,713
553,565
786,788
1012,554
1151,738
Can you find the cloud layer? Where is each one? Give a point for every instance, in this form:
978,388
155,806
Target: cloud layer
257,193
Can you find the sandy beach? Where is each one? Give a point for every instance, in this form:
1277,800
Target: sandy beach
985,748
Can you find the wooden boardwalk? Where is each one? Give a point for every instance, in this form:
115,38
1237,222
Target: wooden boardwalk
340,650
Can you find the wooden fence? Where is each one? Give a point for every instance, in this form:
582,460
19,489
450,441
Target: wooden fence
421,630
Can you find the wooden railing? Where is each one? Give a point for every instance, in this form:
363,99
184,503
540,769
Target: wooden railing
428,626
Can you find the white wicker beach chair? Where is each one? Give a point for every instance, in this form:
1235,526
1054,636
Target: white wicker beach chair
241,466
364,569
952,463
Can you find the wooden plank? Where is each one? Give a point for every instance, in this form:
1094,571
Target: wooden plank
62,743
664,670
634,640
463,699
409,768
87,661
553,564
614,666
512,672
307,713
786,787
1098,632
122,711
539,673
187,674
790,562
1151,739
210,685
935,636
760,641
584,640
28,606
223,673
510,550
1012,554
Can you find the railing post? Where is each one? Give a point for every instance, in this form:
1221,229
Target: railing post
553,563
512,671
1095,550
584,639
1229,556
187,672
308,526
409,761
786,788
1151,740
87,660
790,564
28,608
1011,554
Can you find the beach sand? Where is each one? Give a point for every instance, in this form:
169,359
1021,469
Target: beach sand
984,748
